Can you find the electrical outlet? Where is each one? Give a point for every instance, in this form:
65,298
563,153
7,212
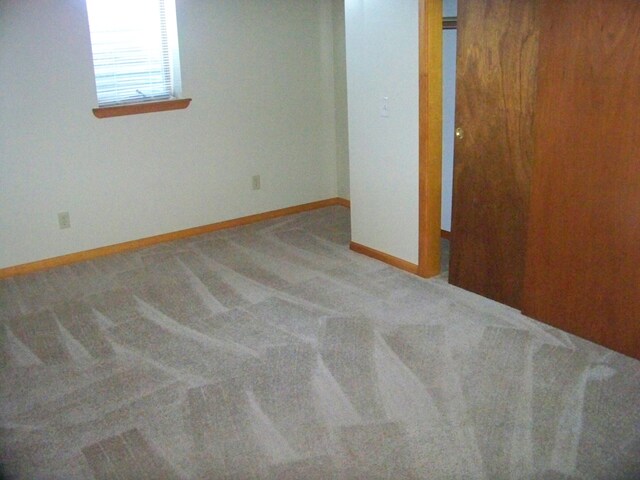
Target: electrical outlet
255,182
64,220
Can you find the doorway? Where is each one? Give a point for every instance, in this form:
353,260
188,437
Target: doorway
432,251
449,44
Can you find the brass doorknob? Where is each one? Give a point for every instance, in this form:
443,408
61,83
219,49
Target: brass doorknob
459,133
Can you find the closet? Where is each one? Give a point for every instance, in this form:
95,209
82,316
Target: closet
546,202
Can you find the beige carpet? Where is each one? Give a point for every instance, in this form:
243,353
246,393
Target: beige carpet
273,352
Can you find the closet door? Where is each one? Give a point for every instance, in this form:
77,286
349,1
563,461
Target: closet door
495,97
583,255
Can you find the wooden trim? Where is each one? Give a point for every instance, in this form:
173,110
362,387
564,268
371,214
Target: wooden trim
145,107
444,234
430,138
450,23
165,237
344,202
384,257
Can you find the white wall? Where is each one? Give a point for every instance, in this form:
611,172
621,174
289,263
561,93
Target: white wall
448,115
449,8
340,82
261,78
382,61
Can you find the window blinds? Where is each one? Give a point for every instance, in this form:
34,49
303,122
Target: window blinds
131,50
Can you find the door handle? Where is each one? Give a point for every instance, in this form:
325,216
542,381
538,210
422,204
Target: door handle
459,133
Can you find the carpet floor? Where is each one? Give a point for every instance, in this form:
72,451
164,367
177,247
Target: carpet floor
272,351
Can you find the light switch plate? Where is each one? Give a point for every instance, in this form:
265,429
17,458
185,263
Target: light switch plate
384,107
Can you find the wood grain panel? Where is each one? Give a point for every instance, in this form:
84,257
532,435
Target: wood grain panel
583,258
495,97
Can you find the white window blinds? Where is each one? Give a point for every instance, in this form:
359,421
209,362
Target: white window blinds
135,54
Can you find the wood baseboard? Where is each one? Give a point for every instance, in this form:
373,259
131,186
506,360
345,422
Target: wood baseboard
446,235
344,202
70,258
385,257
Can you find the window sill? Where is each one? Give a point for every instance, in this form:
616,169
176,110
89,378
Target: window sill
136,108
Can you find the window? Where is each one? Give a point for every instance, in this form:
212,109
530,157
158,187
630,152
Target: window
135,52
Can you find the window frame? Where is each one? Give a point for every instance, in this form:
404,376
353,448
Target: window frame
134,106
141,107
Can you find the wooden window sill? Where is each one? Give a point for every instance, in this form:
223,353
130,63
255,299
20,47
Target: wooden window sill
136,108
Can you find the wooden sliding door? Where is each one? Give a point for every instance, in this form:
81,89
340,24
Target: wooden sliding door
583,255
493,154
